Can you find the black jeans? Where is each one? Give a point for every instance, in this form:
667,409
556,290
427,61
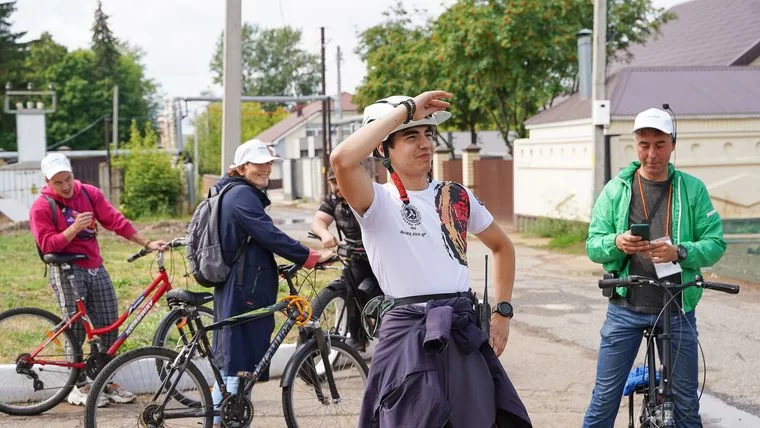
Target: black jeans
367,286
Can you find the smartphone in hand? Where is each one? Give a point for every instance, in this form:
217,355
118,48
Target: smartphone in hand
641,230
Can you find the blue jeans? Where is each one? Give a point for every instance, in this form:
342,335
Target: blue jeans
231,383
621,337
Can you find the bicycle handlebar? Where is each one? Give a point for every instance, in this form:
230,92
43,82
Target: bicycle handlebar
174,243
634,280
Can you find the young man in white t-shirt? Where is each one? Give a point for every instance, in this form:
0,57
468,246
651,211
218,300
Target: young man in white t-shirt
415,233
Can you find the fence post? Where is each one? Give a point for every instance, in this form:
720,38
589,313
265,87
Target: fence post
439,157
469,155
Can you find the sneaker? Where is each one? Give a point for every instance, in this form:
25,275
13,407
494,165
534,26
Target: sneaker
78,397
357,344
117,394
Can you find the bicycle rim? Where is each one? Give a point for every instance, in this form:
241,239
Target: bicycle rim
171,335
307,400
142,372
330,308
22,330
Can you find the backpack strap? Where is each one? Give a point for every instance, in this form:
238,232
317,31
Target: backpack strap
88,198
53,209
246,240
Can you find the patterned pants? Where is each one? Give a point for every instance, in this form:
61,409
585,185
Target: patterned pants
95,286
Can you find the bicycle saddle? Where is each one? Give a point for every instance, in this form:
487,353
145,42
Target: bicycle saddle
61,258
189,297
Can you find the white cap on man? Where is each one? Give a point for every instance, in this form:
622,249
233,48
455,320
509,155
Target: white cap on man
54,163
253,151
653,118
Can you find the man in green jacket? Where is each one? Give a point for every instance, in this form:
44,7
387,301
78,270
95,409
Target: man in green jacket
685,229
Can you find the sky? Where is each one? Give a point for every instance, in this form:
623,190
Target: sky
178,37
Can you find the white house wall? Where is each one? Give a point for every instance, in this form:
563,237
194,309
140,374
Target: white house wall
22,185
554,171
723,153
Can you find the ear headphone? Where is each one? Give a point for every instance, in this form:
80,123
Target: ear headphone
666,106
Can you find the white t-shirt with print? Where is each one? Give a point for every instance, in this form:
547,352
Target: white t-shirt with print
420,249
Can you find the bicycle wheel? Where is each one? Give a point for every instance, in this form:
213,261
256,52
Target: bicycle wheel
175,331
329,307
142,372
22,330
306,399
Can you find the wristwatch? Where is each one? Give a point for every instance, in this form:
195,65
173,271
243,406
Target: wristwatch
504,309
682,253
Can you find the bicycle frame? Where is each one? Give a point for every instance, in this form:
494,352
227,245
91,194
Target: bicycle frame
248,379
158,287
660,406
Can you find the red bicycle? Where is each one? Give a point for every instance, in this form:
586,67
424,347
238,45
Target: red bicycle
40,358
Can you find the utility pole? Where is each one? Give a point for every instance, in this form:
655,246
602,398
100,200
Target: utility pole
108,155
232,82
599,71
339,100
325,130
115,117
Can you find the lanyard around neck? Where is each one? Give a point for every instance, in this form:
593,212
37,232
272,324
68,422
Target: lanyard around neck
657,204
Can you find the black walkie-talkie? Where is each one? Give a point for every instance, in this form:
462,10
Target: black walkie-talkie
484,309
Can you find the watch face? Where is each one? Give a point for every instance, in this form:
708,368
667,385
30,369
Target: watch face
505,309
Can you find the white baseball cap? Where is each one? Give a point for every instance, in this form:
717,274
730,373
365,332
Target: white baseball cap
653,118
386,105
253,151
54,163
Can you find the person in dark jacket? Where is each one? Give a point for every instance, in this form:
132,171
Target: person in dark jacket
242,217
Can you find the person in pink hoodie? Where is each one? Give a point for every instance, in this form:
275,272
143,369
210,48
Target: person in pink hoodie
79,209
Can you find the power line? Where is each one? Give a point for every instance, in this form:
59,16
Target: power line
87,128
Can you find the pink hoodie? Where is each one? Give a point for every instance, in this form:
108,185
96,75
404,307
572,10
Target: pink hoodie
50,237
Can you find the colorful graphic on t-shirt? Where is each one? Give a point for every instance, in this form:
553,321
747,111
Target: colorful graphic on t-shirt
453,205
70,215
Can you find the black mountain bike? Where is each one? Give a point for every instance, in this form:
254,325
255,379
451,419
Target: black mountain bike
173,391
329,306
658,406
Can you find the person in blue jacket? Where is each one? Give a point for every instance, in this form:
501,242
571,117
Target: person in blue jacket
243,218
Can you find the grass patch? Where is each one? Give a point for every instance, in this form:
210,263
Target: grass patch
24,284
565,235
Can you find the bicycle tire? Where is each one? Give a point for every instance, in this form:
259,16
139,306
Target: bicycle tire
167,326
336,322
136,371
303,372
22,329
164,339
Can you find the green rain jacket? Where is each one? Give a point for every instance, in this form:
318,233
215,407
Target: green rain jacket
696,226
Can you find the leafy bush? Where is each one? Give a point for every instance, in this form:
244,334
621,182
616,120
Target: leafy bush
152,185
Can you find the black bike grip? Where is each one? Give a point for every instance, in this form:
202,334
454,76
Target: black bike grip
137,255
613,282
719,286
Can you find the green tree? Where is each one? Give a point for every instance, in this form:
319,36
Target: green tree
152,185
43,55
273,62
208,131
104,45
502,59
12,54
397,53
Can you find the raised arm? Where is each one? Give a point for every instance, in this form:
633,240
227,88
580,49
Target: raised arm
355,184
